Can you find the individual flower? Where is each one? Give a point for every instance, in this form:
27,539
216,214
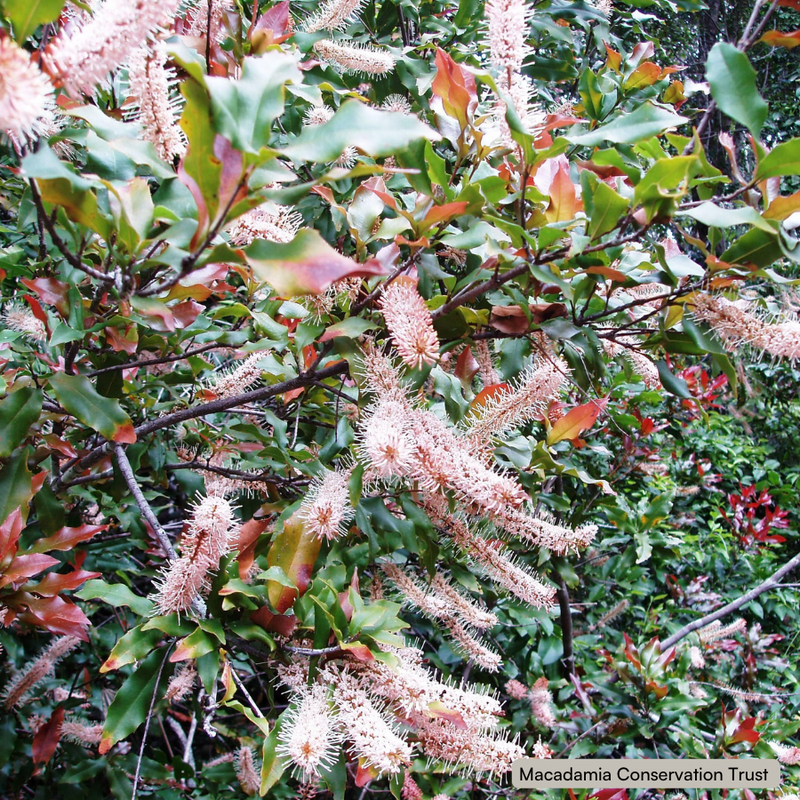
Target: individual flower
347,159
509,25
201,25
355,58
716,631
472,648
80,732
318,115
736,327
26,96
85,54
410,790
327,509
386,444
371,737
409,321
786,754
211,533
486,370
618,609
19,317
641,364
309,736
541,750
396,103
181,683
149,84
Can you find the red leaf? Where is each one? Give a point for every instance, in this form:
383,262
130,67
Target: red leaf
466,366
120,341
55,614
67,538
563,198
456,88
572,424
54,583
610,794
438,710
359,651
509,319
486,394
46,739
26,566
283,624
614,59
60,446
444,213
795,4
248,539
186,313
51,291
273,27
9,532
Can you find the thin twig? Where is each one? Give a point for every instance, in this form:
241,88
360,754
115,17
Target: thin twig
147,723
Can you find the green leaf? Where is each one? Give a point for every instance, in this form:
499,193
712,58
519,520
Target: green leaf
757,247
27,15
782,160
133,646
15,486
295,551
243,111
376,133
647,120
671,382
733,86
18,412
607,209
101,414
271,762
715,217
664,183
116,595
131,703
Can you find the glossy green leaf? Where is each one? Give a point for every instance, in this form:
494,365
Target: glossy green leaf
131,703
103,414
376,133
733,86
133,646
608,207
645,121
27,15
244,110
784,159
15,485
116,594
18,412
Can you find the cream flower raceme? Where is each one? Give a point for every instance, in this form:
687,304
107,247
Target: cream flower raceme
149,83
210,535
360,59
85,54
409,321
26,95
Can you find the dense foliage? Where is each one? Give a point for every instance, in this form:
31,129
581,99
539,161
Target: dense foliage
394,389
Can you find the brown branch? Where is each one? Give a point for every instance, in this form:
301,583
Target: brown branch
73,260
770,583
147,512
